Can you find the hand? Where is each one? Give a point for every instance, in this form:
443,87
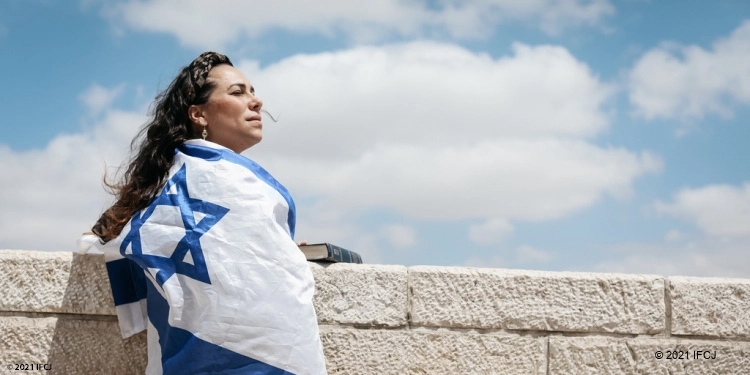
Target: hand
301,243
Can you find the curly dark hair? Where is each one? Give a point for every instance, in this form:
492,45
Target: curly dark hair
154,147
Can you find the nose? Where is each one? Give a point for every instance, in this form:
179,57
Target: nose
255,104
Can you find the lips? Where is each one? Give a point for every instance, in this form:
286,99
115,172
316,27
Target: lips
254,118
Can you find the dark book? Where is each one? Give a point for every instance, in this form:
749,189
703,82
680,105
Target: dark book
326,252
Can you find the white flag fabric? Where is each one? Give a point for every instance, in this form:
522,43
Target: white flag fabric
211,270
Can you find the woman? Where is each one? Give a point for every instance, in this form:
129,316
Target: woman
205,236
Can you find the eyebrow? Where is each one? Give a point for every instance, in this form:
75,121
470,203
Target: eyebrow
243,86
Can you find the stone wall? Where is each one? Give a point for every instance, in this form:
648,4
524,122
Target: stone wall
56,309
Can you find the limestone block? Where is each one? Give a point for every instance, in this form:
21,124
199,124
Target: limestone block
611,356
58,282
360,294
381,351
25,340
710,307
71,346
536,300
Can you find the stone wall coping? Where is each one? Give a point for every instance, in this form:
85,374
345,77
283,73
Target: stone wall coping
535,273
708,280
36,254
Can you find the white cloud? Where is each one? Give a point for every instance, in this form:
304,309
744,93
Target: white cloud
528,254
673,235
492,231
50,196
718,210
437,132
494,262
707,257
475,18
399,236
522,256
515,179
688,82
721,212
97,98
213,24
341,103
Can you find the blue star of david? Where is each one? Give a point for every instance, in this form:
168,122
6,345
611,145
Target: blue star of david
190,242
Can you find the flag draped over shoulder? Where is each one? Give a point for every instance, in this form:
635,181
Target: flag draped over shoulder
211,270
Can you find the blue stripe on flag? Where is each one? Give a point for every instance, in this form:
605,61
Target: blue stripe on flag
213,154
127,280
184,353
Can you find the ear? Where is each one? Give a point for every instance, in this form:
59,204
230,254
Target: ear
196,116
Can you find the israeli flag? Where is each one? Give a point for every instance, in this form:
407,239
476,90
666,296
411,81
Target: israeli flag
211,270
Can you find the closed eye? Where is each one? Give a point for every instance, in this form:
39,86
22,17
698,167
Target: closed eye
241,88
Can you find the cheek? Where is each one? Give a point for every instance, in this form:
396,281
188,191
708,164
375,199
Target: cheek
226,108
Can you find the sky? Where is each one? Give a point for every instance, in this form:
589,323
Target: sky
562,135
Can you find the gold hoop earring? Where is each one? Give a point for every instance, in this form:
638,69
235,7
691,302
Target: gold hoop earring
205,133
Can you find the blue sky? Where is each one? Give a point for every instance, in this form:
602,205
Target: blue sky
558,135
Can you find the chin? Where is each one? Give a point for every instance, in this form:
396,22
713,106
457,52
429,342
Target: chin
253,142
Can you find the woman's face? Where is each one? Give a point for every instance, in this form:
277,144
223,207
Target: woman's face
232,113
